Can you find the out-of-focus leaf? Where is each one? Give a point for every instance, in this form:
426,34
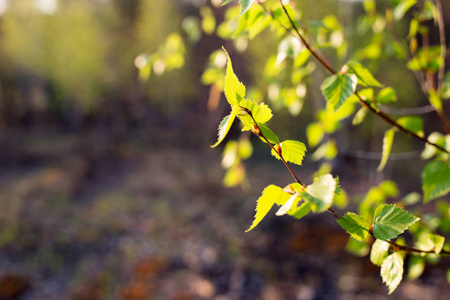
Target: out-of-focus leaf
320,193
392,271
380,250
435,180
387,146
224,127
337,89
363,74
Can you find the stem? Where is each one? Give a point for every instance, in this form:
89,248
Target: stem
443,44
327,66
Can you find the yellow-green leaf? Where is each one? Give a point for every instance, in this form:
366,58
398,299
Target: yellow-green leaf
392,271
224,127
234,89
292,151
387,146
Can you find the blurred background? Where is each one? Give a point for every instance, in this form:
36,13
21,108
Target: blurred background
108,186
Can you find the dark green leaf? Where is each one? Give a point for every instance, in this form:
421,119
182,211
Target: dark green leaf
390,221
355,225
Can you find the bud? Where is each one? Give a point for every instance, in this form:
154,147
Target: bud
278,148
413,46
256,130
371,229
243,112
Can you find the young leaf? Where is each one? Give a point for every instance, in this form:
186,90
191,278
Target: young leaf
386,95
301,211
402,8
337,89
392,271
269,134
224,127
292,151
320,193
364,76
380,250
226,2
234,89
428,241
355,225
360,116
245,5
387,146
314,134
416,265
271,195
287,205
260,112
435,180
412,123
390,221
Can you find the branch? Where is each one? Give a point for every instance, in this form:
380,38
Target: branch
327,66
443,44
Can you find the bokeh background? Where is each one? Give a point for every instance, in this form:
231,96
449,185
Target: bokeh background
108,186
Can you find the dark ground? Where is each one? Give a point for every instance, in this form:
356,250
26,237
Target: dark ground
84,217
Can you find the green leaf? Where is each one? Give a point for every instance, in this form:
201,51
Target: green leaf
226,2
390,221
416,265
271,195
314,134
412,123
386,95
301,211
320,193
360,116
357,248
435,100
392,271
224,127
387,146
234,89
245,5
428,241
402,8
337,89
269,134
380,250
363,74
260,112
435,180
355,225
292,151
287,205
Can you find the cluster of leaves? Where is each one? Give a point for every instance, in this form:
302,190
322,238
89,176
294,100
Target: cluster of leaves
353,91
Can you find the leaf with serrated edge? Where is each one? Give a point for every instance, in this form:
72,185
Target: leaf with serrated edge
390,221
337,89
245,5
387,146
355,225
380,250
234,89
271,195
286,206
363,74
320,193
292,151
392,271
435,180
224,127
260,112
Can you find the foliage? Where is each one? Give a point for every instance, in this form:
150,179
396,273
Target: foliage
303,46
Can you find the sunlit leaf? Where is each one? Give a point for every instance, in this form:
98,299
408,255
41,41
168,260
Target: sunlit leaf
337,89
435,180
320,193
314,134
287,205
428,241
360,116
386,95
224,127
402,8
292,151
363,74
234,89
389,221
301,211
416,265
355,225
412,123
387,146
260,112
271,195
392,271
380,250
268,134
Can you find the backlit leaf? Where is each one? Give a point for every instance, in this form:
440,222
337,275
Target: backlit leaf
287,205
435,180
402,8
269,134
412,123
355,225
428,241
416,265
292,151
224,127
380,250
271,195
363,74
386,95
389,221
260,112
301,211
320,193
234,89
392,271
387,146
337,89
314,134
